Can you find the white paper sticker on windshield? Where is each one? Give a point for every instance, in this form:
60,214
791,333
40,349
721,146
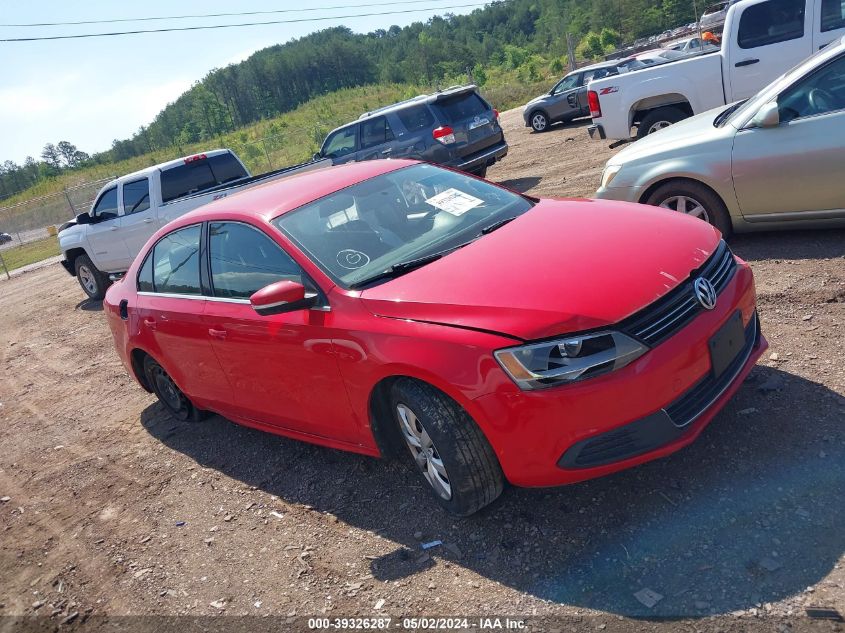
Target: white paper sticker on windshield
454,201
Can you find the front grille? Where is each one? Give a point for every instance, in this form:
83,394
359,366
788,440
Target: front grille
701,395
666,316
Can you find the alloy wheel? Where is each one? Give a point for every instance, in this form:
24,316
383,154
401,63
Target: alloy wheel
658,125
89,282
425,453
685,204
538,122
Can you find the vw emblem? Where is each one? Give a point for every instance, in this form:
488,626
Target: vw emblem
705,293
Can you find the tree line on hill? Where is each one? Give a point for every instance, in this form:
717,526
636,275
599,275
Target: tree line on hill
521,35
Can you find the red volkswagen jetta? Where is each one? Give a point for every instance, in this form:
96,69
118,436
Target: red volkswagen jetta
496,336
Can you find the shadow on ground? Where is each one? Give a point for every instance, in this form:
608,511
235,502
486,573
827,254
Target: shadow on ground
89,305
751,512
827,243
521,184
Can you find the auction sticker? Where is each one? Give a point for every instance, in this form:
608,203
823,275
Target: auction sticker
455,202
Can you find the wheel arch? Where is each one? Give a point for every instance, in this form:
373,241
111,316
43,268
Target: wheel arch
136,359
646,194
385,431
542,111
72,253
641,108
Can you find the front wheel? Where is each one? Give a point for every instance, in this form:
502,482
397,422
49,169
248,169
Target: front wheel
93,281
447,447
693,198
658,119
539,121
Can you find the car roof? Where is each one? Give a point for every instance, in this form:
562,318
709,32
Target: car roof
270,200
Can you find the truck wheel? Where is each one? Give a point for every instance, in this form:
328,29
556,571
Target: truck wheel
481,173
93,282
539,121
447,447
658,119
693,198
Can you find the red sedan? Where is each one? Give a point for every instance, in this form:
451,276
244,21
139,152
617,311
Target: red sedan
395,305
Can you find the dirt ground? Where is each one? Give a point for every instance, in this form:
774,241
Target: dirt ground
108,507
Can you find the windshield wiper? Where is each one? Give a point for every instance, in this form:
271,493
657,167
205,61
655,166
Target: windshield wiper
402,267
492,227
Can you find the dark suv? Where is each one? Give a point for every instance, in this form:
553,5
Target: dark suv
455,127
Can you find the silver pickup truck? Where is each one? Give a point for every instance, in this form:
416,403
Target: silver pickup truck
128,210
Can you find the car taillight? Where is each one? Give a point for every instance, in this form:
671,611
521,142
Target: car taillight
496,113
191,159
595,106
444,134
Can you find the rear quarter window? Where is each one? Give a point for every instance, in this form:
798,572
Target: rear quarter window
415,118
461,107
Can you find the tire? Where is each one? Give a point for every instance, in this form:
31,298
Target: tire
669,195
447,435
481,173
539,121
94,282
169,394
658,119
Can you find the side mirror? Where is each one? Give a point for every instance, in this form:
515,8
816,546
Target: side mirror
317,156
767,116
282,296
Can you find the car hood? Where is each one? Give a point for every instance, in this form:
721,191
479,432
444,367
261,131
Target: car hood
564,266
695,130
535,101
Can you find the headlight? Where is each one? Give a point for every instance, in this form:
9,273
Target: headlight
566,360
609,174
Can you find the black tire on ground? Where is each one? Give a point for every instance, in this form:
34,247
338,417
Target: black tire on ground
717,213
481,173
474,474
666,115
94,282
169,394
539,121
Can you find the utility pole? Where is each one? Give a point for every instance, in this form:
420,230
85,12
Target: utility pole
571,48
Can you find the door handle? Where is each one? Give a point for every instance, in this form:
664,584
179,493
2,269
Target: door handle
386,151
113,227
150,323
218,334
746,62
148,220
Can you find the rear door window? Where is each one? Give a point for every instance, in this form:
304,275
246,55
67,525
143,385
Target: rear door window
461,107
833,15
176,262
375,132
244,260
106,207
771,22
136,196
415,118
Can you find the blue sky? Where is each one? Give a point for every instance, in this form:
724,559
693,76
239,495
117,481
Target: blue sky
91,91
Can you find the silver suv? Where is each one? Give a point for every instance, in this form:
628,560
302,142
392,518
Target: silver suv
455,127
567,100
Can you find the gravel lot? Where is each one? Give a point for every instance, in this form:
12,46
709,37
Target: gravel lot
108,507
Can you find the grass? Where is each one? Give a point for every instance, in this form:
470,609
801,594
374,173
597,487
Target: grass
29,253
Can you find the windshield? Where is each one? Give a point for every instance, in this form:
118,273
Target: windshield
362,231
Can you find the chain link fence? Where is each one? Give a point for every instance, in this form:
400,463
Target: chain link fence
37,218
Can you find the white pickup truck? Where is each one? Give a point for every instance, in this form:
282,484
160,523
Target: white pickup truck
128,210
761,40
